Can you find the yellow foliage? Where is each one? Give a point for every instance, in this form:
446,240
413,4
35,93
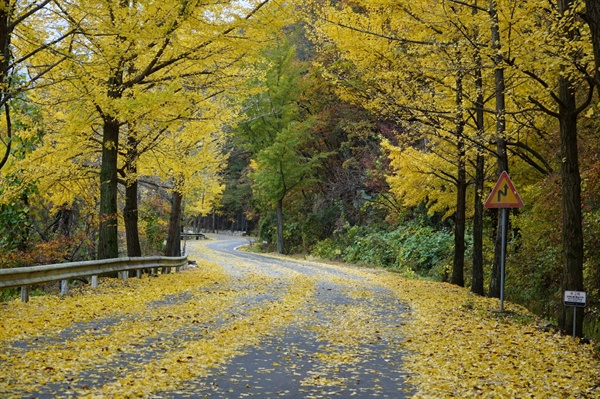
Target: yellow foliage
417,179
405,61
464,348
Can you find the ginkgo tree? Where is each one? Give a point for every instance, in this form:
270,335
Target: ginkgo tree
131,56
413,64
189,161
565,46
20,124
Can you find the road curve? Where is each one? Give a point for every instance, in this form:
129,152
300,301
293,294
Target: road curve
302,361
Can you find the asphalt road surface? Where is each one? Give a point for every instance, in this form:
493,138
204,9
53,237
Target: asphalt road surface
272,328
374,369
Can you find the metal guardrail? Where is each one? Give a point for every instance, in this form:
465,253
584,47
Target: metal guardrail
197,236
25,277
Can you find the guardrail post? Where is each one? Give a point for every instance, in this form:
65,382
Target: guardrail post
124,275
25,293
94,281
64,287
138,273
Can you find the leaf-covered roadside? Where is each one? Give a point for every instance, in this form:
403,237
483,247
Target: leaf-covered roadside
463,347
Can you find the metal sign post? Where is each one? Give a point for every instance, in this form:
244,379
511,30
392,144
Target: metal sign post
503,196
503,256
576,299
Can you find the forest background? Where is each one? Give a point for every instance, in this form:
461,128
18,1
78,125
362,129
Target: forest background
362,131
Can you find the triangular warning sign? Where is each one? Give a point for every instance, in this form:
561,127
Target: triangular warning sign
504,194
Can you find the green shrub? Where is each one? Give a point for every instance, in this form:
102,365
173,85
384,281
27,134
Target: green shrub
423,249
372,249
413,248
326,249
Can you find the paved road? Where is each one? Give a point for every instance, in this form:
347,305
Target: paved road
375,366
274,328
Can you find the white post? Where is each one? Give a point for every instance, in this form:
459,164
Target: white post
94,281
64,287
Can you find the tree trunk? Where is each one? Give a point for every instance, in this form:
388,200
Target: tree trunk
108,244
458,264
592,17
131,216
130,211
5,59
174,234
64,220
499,81
572,231
279,211
477,280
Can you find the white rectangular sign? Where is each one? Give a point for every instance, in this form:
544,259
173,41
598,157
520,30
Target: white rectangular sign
575,298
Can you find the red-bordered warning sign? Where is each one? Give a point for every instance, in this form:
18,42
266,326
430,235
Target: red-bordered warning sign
504,194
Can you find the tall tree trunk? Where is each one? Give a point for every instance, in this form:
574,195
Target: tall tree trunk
130,211
592,17
477,280
279,211
502,154
173,247
572,219
108,242
131,216
108,245
572,232
458,264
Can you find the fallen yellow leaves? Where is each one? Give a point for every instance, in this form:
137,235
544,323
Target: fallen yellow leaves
177,366
144,337
51,313
178,326
462,347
